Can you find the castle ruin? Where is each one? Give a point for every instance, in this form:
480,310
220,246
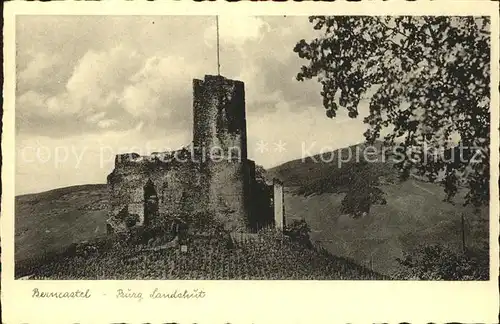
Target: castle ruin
212,176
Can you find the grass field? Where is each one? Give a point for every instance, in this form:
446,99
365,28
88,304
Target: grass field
206,258
52,220
414,214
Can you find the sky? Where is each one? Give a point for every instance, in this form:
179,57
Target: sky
90,87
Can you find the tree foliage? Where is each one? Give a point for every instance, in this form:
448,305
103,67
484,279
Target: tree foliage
131,220
428,84
363,190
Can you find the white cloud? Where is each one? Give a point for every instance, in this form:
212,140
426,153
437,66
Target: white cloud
139,126
158,86
99,73
106,123
138,101
92,88
236,30
171,71
97,117
63,104
118,82
38,65
32,102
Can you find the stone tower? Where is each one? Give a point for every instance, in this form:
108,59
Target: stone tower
219,129
219,116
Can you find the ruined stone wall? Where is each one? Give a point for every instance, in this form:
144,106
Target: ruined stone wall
279,204
218,187
219,116
177,185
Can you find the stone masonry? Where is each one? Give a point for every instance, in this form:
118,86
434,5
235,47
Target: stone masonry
211,176
279,204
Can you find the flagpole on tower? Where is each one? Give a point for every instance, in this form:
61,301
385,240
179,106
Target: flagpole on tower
218,61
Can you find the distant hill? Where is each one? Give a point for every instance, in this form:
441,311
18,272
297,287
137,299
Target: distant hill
52,220
331,171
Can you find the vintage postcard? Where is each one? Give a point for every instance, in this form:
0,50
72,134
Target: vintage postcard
250,162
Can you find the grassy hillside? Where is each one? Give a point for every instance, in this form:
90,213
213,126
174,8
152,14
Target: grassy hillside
50,221
207,258
414,213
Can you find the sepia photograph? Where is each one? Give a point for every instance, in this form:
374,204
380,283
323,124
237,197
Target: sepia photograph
283,147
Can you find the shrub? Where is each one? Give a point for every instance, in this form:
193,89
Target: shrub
298,231
363,190
435,262
131,220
